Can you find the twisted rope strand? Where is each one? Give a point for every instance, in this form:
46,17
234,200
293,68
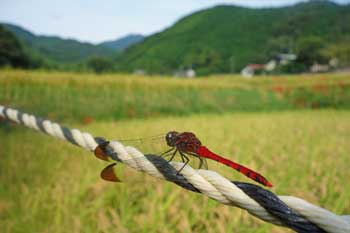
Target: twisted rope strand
287,211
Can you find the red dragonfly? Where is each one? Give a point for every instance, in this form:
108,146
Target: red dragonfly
185,144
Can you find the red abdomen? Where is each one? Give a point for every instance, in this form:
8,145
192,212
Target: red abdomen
206,153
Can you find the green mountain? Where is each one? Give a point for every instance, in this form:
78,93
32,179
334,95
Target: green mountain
57,49
123,43
225,38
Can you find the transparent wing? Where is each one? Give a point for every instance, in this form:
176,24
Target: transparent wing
150,145
155,148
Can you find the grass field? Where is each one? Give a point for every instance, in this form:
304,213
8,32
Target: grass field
51,186
76,97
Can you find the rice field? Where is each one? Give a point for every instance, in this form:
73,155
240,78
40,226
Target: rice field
49,185
70,97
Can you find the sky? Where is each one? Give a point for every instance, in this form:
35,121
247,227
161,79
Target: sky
96,21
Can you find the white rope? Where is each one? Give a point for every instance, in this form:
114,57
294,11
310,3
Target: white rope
209,183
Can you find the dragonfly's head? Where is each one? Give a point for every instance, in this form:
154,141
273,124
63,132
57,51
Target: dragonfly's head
171,138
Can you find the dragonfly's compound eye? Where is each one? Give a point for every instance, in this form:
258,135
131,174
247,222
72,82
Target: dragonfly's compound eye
171,138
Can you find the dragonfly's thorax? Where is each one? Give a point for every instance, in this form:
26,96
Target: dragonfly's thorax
187,142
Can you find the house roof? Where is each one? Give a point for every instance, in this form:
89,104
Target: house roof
256,66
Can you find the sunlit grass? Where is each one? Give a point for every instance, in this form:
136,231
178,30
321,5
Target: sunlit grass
128,80
73,97
51,186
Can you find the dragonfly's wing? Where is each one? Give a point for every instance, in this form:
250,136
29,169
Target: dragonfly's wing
154,145
100,151
108,174
150,145
169,154
151,148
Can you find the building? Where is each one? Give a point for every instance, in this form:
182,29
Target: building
187,73
251,69
279,60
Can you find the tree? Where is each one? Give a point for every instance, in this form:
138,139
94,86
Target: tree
204,60
11,50
277,45
341,51
100,64
309,50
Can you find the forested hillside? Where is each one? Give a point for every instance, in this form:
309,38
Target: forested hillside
58,49
226,38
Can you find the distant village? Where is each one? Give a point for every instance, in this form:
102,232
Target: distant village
251,70
282,60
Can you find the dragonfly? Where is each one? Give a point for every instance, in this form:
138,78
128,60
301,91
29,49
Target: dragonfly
186,144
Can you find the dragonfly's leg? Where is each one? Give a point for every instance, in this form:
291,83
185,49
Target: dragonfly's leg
185,158
200,162
205,163
173,155
166,152
182,158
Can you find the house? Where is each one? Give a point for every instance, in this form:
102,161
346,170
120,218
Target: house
271,65
279,60
251,69
140,72
285,58
187,73
319,68
190,73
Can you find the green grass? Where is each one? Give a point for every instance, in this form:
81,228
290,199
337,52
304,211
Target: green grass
72,97
48,185
52,186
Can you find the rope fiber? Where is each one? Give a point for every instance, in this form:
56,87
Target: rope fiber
286,211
